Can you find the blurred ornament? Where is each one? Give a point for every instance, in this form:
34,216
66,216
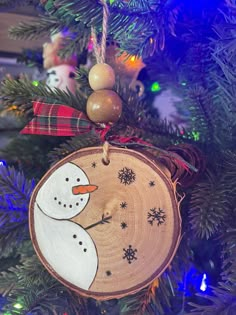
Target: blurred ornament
62,77
104,106
51,50
101,76
125,66
60,71
192,155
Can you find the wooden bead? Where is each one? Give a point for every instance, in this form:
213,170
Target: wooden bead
101,76
104,106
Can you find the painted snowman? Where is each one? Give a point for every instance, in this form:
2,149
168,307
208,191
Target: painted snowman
67,246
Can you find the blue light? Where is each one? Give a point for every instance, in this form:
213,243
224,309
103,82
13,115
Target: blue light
203,286
193,281
3,163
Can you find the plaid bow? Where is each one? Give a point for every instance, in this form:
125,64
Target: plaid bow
57,120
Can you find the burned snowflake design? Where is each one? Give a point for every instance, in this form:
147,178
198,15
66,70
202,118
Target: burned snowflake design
123,225
123,205
94,164
156,215
126,176
151,183
130,254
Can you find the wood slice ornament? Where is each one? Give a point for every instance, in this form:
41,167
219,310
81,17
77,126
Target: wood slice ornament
105,230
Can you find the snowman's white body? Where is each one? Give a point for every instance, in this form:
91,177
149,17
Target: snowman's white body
62,77
66,246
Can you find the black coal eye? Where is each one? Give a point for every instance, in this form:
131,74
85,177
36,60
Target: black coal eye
67,179
78,179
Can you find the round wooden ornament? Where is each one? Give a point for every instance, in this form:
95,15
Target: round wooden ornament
105,230
101,76
104,106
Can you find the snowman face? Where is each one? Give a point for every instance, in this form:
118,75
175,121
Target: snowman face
53,79
65,193
61,77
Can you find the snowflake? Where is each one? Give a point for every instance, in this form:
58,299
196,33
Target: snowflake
123,225
156,215
123,205
152,183
94,164
126,176
130,254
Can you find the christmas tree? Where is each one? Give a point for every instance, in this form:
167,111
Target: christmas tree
188,48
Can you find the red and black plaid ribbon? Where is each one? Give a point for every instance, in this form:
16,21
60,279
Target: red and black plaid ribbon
57,120
61,120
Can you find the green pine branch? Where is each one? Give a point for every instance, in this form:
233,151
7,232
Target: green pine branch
15,187
39,293
37,29
210,206
16,191
23,92
229,259
138,119
146,25
74,144
221,302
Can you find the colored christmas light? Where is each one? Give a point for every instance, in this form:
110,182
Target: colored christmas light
203,286
196,135
155,87
35,83
3,163
7,313
18,306
183,83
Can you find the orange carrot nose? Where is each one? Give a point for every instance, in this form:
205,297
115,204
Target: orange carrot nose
83,189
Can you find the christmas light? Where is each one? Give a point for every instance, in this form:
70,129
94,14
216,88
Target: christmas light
35,83
18,306
7,313
132,59
203,286
183,83
196,135
155,87
3,163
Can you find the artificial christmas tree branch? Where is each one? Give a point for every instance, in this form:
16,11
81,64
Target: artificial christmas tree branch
27,92
205,64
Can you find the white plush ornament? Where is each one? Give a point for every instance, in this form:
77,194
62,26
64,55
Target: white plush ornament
62,77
